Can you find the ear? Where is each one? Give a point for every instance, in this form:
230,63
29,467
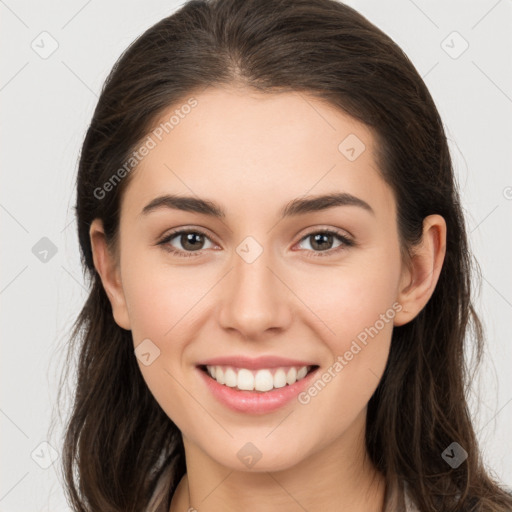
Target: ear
421,273
108,268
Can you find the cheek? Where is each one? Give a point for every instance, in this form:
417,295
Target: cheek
161,299
351,298
163,304
359,311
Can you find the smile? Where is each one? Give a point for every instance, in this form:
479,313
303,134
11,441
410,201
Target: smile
255,386
262,380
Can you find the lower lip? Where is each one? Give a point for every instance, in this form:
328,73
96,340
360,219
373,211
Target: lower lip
255,402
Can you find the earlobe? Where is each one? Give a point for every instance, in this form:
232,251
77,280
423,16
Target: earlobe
422,272
108,269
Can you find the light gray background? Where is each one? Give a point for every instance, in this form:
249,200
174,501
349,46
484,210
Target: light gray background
46,106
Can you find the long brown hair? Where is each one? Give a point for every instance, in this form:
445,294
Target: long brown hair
118,440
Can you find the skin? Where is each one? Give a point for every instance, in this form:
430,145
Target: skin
253,153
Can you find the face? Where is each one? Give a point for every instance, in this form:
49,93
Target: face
253,290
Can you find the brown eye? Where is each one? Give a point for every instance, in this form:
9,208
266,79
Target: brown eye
191,241
322,242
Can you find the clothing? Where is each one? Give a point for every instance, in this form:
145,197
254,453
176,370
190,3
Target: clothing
158,500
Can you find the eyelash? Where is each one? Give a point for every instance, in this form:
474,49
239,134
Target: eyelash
346,243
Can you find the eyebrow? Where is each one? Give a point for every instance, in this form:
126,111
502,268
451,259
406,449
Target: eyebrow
293,208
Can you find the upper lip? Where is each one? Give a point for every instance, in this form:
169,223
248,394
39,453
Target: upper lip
255,363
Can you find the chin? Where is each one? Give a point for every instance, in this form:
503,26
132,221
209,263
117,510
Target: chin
257,457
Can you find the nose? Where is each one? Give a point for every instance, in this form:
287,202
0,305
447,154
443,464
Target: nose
255,298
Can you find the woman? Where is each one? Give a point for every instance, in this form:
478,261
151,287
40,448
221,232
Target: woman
280,276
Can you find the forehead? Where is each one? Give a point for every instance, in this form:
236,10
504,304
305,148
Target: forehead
245,147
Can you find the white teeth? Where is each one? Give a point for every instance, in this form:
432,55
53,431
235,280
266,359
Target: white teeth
291,376
302,373
279,378
263,380
245,380
259,380
230,378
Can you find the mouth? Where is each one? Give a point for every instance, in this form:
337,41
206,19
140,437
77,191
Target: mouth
257,390
262,380
255,385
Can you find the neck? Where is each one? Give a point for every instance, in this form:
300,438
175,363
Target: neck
338,477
